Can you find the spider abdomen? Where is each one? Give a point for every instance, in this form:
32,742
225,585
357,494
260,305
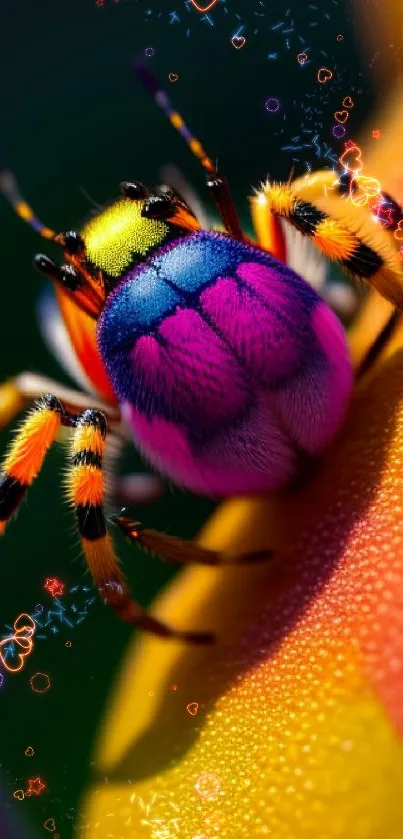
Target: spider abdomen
227,362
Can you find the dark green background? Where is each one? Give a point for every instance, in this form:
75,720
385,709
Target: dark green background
74,117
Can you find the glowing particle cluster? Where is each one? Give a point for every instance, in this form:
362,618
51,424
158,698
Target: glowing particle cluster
17,644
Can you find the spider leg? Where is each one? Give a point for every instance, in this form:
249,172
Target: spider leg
183,551
86,487
220,192
366,254
19,392
27,453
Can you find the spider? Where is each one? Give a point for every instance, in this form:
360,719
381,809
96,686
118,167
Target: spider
227,366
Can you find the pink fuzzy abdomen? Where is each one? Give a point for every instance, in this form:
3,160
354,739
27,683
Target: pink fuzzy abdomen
231,369
252,458
258,451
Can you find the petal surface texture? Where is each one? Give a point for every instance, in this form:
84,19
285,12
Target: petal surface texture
291,725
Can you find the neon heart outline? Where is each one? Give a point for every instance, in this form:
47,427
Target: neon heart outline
26,633
338,114
352,147
209,6
238,38
324,75
21,656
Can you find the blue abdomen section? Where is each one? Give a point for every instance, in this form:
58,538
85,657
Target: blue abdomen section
177,275
152,291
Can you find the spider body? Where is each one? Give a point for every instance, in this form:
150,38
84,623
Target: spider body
222,358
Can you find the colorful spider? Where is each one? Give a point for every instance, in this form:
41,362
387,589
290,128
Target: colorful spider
230,370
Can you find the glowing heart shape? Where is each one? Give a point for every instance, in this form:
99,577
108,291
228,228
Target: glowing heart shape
173,77
205,8
24,624
324,74
399,232
24,627
348,102
302,57
364,190
351,158
341,116
25,643
238,41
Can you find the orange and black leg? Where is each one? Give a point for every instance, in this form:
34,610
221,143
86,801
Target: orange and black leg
86,491
27,453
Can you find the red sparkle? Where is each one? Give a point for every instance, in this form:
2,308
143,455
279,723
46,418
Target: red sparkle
376,133
383,215
54,586
35,786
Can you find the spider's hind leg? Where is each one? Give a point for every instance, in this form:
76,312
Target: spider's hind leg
183,551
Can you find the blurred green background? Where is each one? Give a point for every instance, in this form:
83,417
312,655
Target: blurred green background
74,119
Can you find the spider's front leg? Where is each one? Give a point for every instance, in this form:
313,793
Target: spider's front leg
39,429
26,454
19,392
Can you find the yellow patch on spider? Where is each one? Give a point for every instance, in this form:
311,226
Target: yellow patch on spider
119,234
